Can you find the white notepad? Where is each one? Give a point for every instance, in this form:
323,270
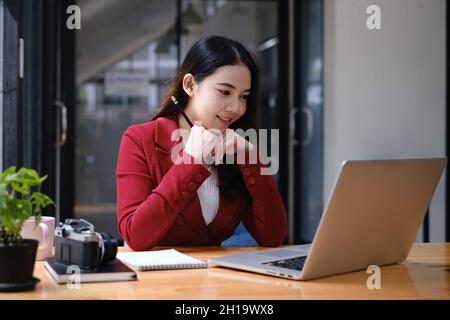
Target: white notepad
160,260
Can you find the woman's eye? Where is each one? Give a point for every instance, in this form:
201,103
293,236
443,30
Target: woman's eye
227,93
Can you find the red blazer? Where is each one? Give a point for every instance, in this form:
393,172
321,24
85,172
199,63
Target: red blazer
157,202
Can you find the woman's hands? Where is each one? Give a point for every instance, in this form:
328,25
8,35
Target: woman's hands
210,146
233,145
200,144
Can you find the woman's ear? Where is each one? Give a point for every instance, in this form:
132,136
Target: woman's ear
189,84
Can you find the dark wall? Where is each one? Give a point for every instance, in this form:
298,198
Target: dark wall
11,85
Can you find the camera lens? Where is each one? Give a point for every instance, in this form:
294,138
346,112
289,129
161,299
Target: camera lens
109,247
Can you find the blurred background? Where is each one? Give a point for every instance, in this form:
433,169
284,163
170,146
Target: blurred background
333,87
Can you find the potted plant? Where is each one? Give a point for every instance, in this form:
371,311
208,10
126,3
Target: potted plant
18,202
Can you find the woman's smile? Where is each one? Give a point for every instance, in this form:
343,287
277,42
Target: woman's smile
224,121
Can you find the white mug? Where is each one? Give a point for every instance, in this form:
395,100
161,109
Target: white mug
44,232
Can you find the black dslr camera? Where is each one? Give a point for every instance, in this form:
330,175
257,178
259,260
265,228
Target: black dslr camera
76,243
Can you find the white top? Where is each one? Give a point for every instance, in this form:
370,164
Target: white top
208,194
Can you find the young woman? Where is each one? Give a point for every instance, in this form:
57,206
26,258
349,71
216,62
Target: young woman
190,203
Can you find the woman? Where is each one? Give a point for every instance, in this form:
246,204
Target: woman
189,203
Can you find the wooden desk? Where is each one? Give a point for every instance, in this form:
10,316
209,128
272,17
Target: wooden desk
424,275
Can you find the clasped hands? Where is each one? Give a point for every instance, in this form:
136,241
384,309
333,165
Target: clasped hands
210,146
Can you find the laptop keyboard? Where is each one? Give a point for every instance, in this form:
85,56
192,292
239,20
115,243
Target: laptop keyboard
292,263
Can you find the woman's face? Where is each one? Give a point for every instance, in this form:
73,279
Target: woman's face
221,98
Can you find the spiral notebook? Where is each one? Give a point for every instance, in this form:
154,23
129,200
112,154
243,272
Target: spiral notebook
160,260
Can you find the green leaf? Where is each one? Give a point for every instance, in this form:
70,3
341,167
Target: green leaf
16,205
15,214
25,176
42,179
41,199
29,174
7,172
20,187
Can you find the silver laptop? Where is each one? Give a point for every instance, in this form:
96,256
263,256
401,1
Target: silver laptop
372,218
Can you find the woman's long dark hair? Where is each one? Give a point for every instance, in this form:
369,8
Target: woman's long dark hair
206,56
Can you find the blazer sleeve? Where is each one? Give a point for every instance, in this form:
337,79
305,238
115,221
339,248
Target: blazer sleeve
266,220
145,211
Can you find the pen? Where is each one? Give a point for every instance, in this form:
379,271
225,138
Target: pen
175,102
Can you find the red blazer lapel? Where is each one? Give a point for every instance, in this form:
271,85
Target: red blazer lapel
192,213
163,143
